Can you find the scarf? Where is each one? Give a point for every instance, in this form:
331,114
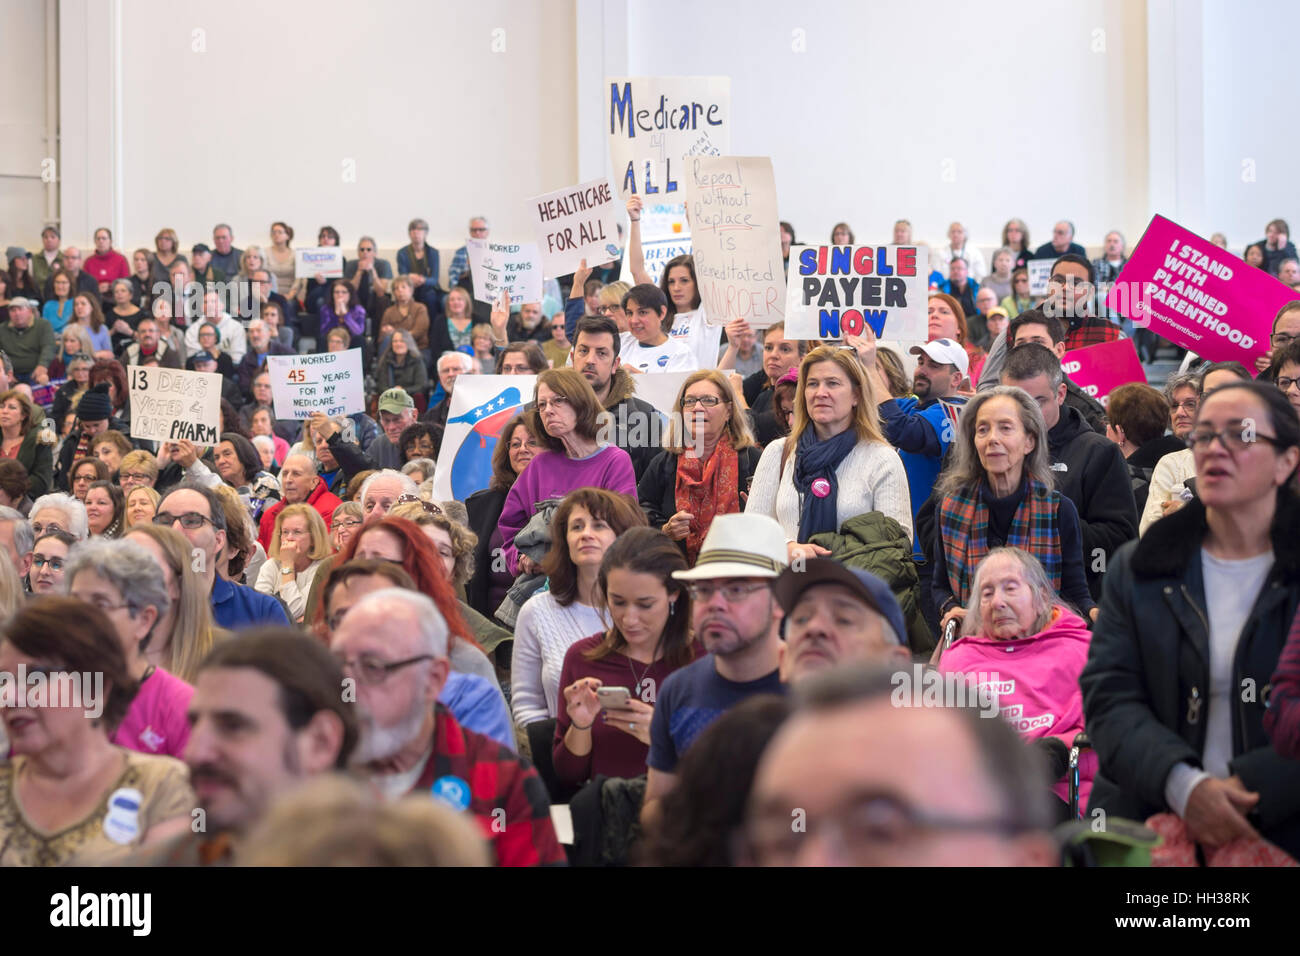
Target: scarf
964,533
706,489
815,463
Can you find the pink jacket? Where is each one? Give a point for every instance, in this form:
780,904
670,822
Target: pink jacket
1037,680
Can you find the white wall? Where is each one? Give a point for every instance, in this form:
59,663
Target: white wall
24,143
928,111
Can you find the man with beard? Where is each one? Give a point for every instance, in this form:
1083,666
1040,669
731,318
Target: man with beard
737,618
393,644
266,713
636,422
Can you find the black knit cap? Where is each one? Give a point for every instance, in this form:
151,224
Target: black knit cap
95,405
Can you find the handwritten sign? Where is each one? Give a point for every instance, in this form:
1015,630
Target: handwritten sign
1100,369
665,235
497,265
577,223
654,122
839,290
329,382
323,261
736,239
173,405
1040,272
1190,291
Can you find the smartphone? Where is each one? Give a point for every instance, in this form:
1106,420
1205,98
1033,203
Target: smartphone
613,698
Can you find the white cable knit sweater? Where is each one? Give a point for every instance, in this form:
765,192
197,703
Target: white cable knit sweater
870,478
543,632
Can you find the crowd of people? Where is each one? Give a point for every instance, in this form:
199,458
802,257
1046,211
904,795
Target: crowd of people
688,638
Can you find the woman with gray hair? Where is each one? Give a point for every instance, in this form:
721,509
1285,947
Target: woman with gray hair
998,491
57,510
420,470
1019,638
401,366
126,584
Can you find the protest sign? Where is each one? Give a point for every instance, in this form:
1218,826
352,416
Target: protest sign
736,239
577,223
323,261
654,122
481,405
665,235
497,265
838,290
329,382
1100,369
1040,272
1197,295
173,405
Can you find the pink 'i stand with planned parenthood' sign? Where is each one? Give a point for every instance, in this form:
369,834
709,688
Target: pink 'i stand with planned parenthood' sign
1191,292
1100,369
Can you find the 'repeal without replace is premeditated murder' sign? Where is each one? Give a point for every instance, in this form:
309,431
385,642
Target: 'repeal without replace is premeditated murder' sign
835,291
173,405
329,382
1197,295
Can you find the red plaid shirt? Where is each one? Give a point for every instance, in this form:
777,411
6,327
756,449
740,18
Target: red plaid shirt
498,781
1091,331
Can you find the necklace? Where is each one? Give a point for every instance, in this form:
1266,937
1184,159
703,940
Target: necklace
638,681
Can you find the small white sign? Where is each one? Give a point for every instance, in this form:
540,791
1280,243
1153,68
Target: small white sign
497,265
329,382
577,223
323,261
173,405
1040,270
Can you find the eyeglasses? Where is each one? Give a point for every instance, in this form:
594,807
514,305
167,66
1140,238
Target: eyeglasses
133,476
1234,438
708,401
609,309
40,561
732,593
1281,339
366,249
106,608
369,670
1284,384
1187,406
40,529
79,479
429,507
190,520
559,401
351,523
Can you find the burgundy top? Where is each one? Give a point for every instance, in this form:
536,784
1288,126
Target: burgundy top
614,752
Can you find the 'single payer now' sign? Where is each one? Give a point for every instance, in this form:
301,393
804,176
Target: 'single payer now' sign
173,405
329,382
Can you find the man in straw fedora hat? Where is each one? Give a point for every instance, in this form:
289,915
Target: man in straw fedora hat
738,620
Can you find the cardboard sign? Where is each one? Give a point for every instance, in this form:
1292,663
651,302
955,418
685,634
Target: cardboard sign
174,405
654,122
1196,295
577,223
1100,369
665,235
736,239
1040,272
323,261
835,291
329,382
497,265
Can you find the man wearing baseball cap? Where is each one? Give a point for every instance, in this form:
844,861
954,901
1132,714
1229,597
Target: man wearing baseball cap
737,618
396,413
28,340
836,614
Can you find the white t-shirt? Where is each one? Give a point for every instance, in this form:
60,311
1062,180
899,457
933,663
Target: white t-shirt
704,340
672,356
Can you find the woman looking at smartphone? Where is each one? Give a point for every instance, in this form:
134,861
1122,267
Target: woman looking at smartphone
648,640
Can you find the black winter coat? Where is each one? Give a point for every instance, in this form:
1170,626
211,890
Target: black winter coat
1148,673
657,488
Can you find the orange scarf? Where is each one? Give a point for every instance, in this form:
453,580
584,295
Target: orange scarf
706,489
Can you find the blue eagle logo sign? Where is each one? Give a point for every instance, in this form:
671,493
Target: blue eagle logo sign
471,469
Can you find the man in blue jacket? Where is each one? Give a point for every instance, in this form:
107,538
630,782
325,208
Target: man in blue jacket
196,512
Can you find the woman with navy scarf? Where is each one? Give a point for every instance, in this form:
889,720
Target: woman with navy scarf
836,463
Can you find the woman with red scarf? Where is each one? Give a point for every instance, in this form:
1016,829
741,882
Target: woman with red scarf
706,468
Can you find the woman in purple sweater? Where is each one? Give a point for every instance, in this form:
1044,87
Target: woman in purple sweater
650,638
342,309
566,419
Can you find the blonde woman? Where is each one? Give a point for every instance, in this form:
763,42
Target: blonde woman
166,254
183,636
141,505
836,463
298,544
254,260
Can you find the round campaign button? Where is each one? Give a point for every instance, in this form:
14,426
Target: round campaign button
821,487
663,361
122,822
452,791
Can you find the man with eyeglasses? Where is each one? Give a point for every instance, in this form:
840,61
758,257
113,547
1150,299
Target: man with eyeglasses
1088,468
299,482
876,784
266,713
393,645
737,618
82,281
1072,297
1173,482
476,702
1286,329
450,366
196,512
367,274
149,348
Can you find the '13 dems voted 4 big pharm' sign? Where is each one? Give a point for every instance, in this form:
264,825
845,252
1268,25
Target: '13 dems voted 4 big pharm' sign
833,291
